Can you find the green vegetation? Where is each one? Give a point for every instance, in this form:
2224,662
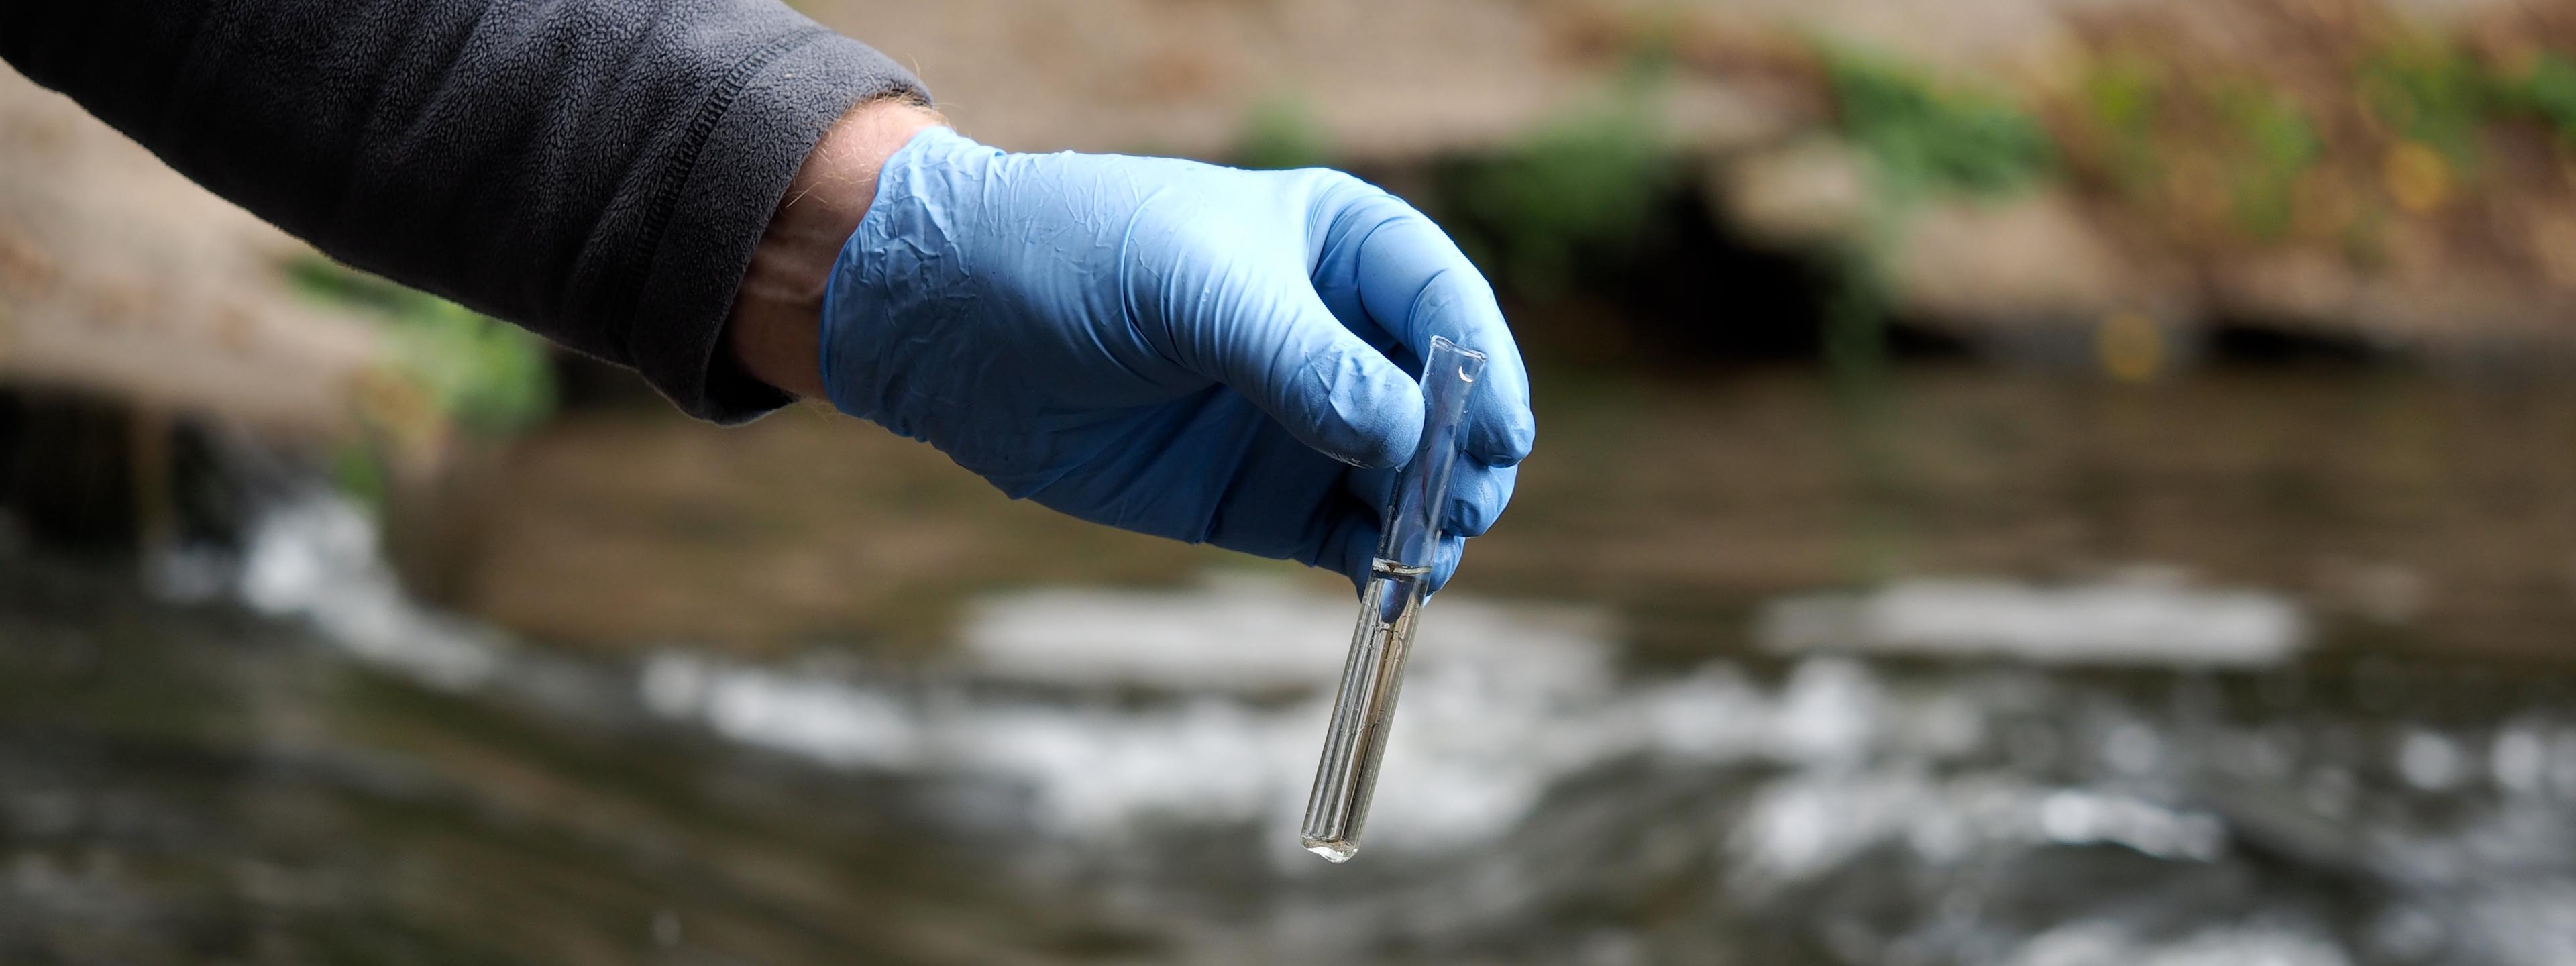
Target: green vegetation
2431,93
1282,133
491,378
1925,137
2268,142
2120,99
1588,182
2549,92
2441,96
2258,140
358,471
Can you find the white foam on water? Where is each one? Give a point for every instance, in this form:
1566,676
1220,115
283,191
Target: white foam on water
2104,944
1233,634
315,558
815,716
2429,760
2127,622
1098,772
1812,822
1499,702
2521,759
1238,632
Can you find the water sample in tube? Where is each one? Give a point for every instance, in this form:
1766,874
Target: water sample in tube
1389,604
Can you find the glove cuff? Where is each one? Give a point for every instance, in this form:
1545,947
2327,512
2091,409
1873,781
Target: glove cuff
901,257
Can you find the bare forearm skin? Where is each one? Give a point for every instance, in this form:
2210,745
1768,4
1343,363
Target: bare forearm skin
774,331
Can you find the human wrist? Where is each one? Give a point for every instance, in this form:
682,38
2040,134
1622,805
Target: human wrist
773,331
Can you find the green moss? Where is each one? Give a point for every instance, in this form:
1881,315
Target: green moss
2269,142
2549,93
1926,137
358,470
490,377
1585,183
2442,96
2120,99
2430,92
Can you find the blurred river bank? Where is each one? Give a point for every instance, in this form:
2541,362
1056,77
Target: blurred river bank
2124,181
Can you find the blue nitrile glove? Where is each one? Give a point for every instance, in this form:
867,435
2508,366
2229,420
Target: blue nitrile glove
1171,347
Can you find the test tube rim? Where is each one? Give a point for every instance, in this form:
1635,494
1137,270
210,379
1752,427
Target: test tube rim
1442,343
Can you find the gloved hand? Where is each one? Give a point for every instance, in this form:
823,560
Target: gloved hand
1170,347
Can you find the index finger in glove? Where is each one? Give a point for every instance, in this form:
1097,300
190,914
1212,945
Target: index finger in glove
1381,257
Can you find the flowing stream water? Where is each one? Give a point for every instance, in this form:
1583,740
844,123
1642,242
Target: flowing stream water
295,762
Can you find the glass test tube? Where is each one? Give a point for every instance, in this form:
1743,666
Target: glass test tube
1365,707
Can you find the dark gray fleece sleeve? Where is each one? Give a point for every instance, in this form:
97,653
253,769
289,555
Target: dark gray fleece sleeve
595,170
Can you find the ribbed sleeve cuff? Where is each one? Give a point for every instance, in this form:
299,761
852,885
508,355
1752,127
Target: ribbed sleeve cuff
749,153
